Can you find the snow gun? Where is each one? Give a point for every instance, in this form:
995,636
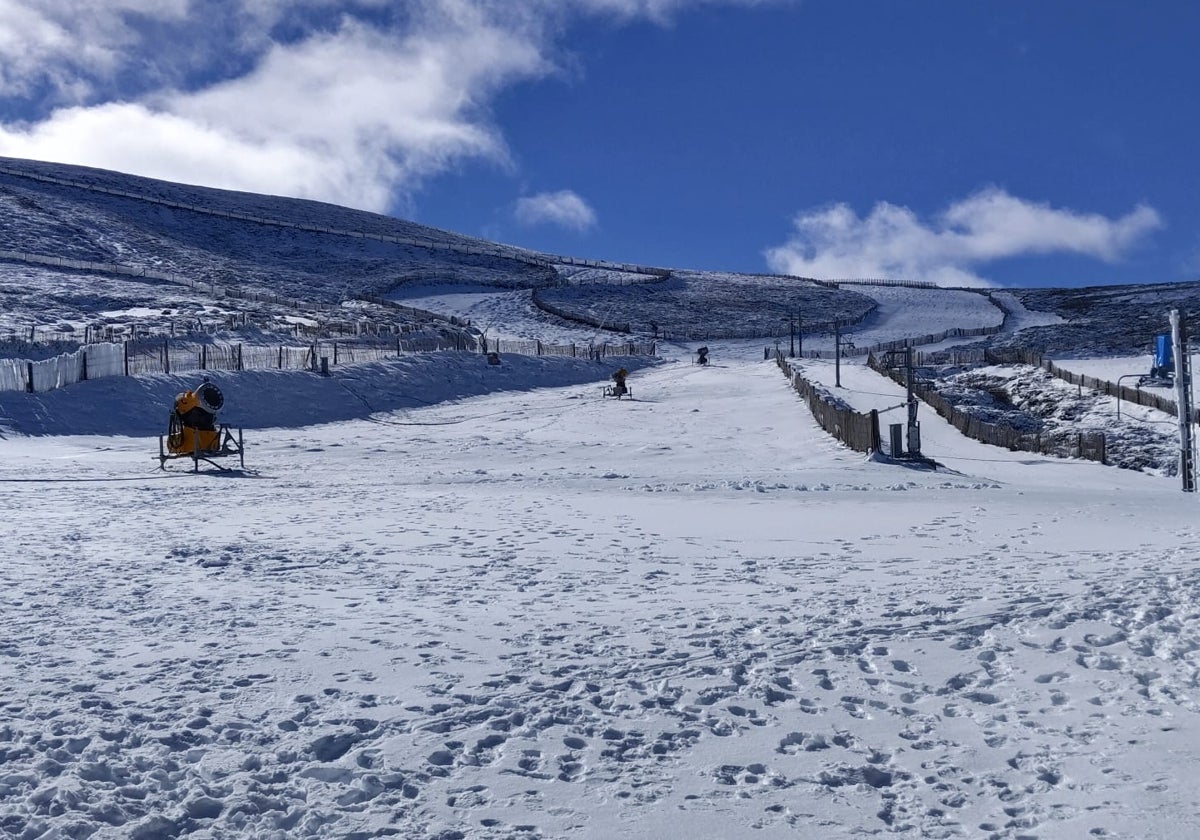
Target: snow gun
618,389
193,431
1162,368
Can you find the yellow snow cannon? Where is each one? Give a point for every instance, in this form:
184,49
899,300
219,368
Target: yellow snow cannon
193,431
618,389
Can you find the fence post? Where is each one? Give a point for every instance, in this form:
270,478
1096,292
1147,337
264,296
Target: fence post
240,358
166,357
29,382
281,357
83,372
125,345
203,357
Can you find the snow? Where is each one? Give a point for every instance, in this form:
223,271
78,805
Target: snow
907,312
501,313
1020,317
900,313
538,612
448,599
1111,367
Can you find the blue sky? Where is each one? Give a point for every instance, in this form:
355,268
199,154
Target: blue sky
1016,143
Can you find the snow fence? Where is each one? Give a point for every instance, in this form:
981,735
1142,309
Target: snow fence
128,358
858,431
1091,446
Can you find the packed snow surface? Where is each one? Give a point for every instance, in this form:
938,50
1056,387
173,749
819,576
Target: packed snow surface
539,613
447,599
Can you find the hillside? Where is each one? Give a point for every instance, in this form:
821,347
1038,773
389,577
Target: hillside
1107,320
224,244
452,599
207,269
239,247
90,214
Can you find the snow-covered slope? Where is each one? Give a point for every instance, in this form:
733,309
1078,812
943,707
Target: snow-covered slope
322,254
286,253
540,613
447,599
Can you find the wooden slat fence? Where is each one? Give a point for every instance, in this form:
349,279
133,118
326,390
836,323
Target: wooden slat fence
1124,392
94,361
527,347
1091,446
858,431
1018,356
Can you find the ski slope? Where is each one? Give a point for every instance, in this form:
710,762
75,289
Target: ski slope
452,600
538,613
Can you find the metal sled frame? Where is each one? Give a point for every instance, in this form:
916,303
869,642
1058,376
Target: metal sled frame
1152,381
229,446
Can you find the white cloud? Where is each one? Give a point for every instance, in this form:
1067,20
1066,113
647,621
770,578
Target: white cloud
132,138
563,208
893,242
363,100
70,44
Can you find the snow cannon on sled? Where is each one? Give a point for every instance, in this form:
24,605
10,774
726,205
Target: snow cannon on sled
618,389
193,431
1162,367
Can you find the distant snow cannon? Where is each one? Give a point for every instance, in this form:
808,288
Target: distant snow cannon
618,389
1162,367
193,431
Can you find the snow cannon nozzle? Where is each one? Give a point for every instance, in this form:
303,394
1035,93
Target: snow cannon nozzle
199,408
210,397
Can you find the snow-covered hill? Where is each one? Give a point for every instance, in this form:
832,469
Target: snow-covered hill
447,599
325,255
254,242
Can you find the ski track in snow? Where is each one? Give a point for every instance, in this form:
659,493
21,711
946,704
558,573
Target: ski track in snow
689,614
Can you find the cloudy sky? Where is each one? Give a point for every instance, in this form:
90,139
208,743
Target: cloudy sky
1004,141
